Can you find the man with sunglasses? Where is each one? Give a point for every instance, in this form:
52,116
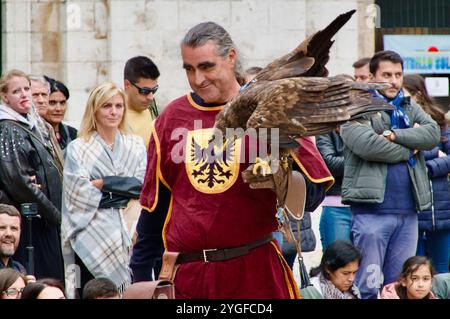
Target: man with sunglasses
141,83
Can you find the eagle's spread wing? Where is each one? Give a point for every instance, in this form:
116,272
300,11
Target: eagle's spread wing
309,57
312,106
291,94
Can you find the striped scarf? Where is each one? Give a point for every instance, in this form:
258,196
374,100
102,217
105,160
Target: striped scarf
399,118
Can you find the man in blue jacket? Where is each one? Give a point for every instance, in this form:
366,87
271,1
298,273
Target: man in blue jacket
385,179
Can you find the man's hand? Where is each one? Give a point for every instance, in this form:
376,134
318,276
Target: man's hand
276,181
98,183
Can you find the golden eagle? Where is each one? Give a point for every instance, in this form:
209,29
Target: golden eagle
294,95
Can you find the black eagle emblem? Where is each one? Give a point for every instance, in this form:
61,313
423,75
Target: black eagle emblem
212,162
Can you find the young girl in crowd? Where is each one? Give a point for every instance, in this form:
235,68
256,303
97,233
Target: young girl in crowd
415,281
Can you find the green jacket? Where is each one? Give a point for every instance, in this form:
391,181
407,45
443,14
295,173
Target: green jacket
367,155
441,285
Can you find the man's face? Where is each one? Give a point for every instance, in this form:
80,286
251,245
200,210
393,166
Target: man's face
210,75
137,101
362,74
9,235
391,73
39,95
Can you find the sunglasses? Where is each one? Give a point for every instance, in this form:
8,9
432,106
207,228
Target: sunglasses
12,292
145,90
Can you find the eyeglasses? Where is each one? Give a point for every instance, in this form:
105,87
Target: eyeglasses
145,90
13,292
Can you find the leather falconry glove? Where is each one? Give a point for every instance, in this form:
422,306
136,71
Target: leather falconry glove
270,174
289,187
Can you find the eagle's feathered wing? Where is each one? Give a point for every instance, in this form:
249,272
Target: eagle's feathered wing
309,57
291,93
303,106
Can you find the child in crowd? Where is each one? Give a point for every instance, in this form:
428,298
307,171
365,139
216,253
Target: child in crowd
100,288
415,281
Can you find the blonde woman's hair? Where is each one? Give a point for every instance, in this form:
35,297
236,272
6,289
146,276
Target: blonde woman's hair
8,75
97,98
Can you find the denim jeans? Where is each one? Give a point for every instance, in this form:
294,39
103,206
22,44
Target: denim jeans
436,245
385,242
335,224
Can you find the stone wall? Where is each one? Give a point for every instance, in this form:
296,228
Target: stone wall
86,42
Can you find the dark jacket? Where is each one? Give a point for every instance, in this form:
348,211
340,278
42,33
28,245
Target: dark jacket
23,155
67,134
13,265
331,147
307,236
437,217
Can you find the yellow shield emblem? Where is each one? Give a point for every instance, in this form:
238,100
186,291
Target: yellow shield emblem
211,168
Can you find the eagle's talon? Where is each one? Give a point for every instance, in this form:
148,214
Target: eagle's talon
262,165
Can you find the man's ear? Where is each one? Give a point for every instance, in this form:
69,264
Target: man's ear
126,84
232,55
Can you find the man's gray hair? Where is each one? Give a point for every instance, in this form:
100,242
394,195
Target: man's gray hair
41,79
203,32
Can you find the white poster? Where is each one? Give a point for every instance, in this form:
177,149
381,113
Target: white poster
421,53
437,86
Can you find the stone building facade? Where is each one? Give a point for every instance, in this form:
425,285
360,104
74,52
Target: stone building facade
86,42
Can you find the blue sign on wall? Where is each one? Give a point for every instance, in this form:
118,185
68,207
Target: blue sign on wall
421,53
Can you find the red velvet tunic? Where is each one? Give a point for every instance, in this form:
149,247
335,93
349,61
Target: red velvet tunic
211,207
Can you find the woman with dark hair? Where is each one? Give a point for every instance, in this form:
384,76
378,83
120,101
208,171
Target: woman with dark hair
57,106
434,223
12,283
415,281
333,278
415,85
46,288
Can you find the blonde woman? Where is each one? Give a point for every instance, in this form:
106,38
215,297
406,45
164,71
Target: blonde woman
30,174
104,169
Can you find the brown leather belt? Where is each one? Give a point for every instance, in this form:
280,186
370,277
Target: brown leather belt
211,255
